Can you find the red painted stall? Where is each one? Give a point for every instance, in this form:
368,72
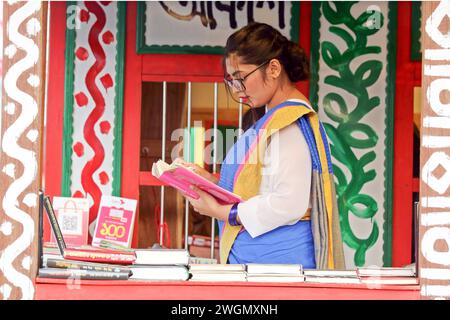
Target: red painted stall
207,68
56,289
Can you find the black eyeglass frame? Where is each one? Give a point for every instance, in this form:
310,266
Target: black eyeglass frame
238,83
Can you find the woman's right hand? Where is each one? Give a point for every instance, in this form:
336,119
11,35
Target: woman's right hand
199,170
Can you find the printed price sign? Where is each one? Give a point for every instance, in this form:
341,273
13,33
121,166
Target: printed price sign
115,221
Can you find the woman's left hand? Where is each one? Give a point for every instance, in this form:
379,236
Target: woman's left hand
208,205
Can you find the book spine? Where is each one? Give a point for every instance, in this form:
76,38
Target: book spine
204,243
64,264
117,258
81,274
41,230
113,246
54,223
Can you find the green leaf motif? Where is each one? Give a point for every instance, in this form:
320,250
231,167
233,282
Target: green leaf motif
348,134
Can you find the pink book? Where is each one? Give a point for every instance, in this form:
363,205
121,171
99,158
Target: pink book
181,178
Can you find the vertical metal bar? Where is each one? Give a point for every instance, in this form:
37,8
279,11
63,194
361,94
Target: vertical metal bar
186,203
213,221
163,157
215,127
240,117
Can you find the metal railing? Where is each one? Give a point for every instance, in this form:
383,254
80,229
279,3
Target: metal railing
214,162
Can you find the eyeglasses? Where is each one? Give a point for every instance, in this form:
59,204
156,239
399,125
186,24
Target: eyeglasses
238,84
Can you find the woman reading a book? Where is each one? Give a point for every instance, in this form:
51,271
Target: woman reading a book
280,166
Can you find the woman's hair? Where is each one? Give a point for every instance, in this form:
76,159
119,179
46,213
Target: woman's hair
251,116
257,43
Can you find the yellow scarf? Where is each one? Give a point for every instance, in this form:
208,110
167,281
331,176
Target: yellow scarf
248,180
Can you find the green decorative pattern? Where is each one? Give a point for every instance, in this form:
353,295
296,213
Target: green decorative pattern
142,47
68,108
353,141
118,103
416,32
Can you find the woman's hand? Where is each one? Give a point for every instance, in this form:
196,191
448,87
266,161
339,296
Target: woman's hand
208,205
199,170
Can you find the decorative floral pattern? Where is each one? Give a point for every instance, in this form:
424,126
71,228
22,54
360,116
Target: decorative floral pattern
351,90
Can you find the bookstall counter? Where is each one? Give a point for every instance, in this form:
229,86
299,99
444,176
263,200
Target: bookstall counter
56,289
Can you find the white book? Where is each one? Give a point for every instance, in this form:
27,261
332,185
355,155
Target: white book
390,280
348,280
161,257
330,273
258,268
161,273
272,278
209,276
385,272
202,260
216,267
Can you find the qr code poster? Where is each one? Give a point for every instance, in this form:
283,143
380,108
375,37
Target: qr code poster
115,221
72,215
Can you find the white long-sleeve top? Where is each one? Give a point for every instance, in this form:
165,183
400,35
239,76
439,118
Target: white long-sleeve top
284,193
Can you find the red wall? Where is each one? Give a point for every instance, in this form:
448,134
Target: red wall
52,172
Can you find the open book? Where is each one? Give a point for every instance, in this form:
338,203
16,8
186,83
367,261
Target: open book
181,177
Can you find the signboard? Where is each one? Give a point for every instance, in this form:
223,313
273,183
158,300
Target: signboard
204,26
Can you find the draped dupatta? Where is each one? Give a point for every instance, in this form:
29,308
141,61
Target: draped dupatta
243,177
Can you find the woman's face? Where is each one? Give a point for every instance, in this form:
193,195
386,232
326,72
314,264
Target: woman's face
257,90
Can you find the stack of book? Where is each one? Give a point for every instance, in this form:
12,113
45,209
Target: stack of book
200,246
92,263
81,262
217,272
107,259
201,260
160,265
331,276
73,269
275,272
387,275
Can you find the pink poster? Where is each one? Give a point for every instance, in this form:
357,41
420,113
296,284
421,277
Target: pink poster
115,221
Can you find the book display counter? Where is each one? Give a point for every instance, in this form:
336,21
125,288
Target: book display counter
72,289
114,91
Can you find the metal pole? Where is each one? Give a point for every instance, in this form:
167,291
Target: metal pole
213,221
240,116
163,156
186,211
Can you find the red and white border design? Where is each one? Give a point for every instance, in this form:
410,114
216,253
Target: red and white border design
94,101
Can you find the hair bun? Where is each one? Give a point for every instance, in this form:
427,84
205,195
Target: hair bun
295,61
